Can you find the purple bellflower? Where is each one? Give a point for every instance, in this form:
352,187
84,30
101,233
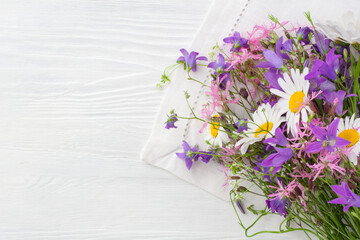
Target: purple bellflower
238,204
328,139
303,35
241,126
347,197
189,154
279,138
277,159
189,60
281,156
205,156
277,205
330,66
275,59
272,100
272,77
220,69
340,96
170,123
322,43
317,81
219,66
286,46
237,42
321,69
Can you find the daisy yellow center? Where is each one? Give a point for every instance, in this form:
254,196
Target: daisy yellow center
351,135
295,101
263,129
214,127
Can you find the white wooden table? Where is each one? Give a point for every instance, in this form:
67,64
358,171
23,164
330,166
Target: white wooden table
77,103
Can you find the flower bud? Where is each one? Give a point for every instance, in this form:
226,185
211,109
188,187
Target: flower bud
292,196
265,43
244,93
238,204
351,185
313,107
234,177
355,179
310,184
287,34
298,191
327,107
346,55
241,189
319,222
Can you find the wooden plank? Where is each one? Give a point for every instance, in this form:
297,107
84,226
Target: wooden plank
77,102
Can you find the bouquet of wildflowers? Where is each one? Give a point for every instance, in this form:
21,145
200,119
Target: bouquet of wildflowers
283,115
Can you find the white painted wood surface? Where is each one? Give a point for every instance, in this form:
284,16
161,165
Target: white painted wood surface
77,102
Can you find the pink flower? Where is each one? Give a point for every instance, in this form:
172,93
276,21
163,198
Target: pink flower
218,99
327,160
243,56
260,32
226,152
206,113
298,141
282,191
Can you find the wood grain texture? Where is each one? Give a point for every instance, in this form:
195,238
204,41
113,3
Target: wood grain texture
77,102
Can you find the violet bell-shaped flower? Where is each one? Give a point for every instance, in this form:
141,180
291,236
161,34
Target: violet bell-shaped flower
303,35
277,159
189,60
281,156
321,69
189,154
205,156
241,125
328,140
286,46
275,59
172,119
237,42
220,67
272,77
322,43
347,197
279,138
277,205
336,98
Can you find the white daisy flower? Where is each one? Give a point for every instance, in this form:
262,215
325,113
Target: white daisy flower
293,98
349,129
216,134
265,121
347,29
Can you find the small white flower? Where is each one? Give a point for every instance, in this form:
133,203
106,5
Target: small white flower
349,129
265,121
292,98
